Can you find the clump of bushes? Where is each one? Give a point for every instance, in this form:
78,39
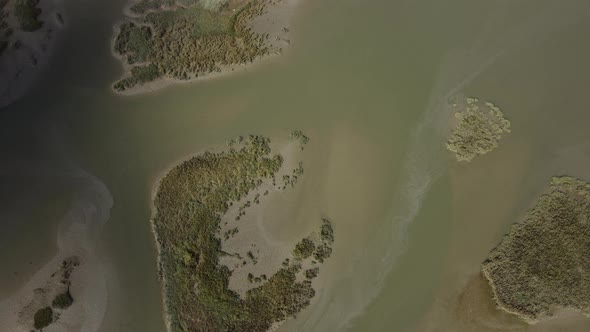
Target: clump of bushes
252,257
304,249
322,252
298,135
139,74
5,30
312,273
63,300
43,317
327,232
135,42
230,233
291,180
479,128
47,315
543,262
27,13
324,249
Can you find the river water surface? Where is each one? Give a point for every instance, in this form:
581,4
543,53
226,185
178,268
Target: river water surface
369,82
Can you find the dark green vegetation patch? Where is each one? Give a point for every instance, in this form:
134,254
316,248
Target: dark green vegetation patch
27,12
544,261
63,300
299,136
185,40
43,317
190,202
312,273
304,249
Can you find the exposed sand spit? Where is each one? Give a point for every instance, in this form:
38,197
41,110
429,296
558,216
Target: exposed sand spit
76,243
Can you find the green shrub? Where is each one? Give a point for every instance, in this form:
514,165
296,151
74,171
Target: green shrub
327,232
479,128
322,252
190,201
43,317
63,300
27,13
304,249
300,137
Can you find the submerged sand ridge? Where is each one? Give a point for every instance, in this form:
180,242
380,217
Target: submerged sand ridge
217,272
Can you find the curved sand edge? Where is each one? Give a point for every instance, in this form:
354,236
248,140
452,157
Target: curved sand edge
556,313
289,163
273,21
499,304
76,237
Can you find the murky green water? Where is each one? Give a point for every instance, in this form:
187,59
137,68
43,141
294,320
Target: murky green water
368,81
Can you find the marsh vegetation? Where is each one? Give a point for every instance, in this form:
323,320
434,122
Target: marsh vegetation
186,39
479,128
43,318
59,284
304,249
544,263
63,300
190,202
298,135
27,12
5,30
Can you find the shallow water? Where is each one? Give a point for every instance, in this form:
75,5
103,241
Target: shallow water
369,83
